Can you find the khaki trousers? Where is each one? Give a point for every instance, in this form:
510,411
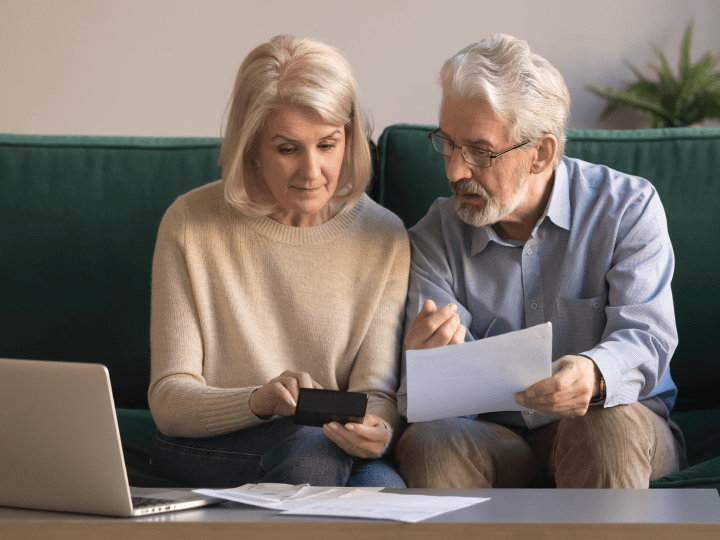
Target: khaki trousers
615,447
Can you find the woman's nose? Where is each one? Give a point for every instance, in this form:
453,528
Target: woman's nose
311,165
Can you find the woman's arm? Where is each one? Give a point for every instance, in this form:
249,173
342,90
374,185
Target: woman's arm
182,403
377,365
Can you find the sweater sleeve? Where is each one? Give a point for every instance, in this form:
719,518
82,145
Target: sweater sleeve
376,368
181,402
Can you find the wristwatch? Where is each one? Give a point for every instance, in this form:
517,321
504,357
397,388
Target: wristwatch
602,395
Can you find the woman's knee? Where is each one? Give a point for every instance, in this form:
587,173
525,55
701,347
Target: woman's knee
375,473
307,457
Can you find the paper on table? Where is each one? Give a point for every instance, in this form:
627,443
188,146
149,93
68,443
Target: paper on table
342,501
395,506
477,377
280,496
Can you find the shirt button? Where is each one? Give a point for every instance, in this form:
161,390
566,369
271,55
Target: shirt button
529,251
596,305
533,305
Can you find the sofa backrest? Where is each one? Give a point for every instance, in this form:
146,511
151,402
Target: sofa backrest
682,163
79,218
78,222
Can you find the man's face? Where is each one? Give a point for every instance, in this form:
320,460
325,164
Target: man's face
483,196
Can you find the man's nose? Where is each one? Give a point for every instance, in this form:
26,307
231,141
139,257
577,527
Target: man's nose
456,168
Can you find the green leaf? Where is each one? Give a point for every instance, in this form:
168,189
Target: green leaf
667,79
668,101
636,71
685,52
644,89
622,99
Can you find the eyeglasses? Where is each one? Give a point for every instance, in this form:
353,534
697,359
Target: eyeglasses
473,156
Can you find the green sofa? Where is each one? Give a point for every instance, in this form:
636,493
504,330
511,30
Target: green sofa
79,217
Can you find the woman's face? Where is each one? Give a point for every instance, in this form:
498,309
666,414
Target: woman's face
299,160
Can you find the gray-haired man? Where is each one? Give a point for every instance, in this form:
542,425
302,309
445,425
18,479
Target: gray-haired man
530,236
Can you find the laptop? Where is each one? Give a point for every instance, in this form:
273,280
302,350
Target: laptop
60,444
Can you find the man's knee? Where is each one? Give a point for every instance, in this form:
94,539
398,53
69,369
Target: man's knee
607,447
463,453
429,452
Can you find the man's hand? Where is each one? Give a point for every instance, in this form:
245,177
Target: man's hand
435,327
279,396
364,440
567,393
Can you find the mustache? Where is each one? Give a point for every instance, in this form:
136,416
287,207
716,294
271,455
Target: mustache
468,186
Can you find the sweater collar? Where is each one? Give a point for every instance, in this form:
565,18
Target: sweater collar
319,234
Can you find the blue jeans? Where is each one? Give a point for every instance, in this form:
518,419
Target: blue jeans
277,451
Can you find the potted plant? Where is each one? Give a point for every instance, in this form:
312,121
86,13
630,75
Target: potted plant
669,101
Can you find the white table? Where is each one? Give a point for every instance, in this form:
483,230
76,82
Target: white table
510,513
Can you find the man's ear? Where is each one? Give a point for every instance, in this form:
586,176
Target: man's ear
544,154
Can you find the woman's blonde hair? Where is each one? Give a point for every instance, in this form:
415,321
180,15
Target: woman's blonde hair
300,72
521,87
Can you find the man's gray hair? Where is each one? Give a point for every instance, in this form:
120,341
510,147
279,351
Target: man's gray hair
521,87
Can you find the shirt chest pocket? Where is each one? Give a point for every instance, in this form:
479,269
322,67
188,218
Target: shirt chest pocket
580,325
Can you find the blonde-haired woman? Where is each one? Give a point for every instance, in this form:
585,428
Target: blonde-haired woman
282,275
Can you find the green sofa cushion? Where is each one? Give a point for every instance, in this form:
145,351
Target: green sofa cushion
137,431
79,217
702,475
701,430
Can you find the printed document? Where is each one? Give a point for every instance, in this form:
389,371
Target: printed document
367,503
478,376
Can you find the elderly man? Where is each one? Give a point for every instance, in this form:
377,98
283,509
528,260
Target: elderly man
530,236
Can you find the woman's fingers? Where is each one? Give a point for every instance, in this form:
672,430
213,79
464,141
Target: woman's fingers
362,440
304,380
279,396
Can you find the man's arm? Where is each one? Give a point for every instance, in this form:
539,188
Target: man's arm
640,334
430,286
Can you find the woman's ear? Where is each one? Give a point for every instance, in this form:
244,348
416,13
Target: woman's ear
545,150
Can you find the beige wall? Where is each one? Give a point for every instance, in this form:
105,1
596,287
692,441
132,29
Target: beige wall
166,67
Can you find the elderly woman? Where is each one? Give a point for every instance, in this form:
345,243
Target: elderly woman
282,275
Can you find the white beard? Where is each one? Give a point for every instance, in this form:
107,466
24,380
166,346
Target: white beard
495,210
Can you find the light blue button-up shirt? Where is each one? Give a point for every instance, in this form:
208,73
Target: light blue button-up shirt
597,265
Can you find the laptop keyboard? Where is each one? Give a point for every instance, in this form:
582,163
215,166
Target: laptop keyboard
145,502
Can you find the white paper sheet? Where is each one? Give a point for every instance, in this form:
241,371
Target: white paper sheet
366,503
394,506
477,377
281,496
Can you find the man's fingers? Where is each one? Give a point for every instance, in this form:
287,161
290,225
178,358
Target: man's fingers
427,309
435,330
459,335
441,316
443,335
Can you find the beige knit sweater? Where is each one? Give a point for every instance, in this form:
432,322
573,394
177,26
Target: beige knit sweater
238,300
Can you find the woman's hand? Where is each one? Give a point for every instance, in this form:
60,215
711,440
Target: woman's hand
279,396
364,440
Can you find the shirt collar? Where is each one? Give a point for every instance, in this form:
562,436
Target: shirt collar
558,210
559,206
